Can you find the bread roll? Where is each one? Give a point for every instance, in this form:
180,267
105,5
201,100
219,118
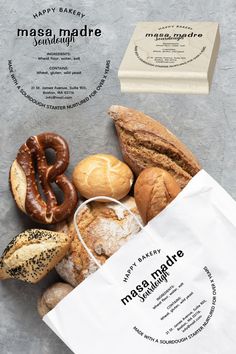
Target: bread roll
32,254
52,296
102,174
153,191
105,227
147,143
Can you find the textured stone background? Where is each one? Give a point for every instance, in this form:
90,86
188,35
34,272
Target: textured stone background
206,124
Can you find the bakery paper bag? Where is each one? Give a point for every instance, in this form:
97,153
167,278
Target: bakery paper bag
170,289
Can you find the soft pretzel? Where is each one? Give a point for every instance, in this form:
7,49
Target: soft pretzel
31,167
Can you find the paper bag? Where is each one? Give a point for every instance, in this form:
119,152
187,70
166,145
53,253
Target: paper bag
169,290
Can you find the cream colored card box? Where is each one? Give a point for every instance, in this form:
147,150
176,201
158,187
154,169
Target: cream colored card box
170,57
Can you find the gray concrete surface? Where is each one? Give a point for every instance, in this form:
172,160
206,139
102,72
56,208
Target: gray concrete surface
206,124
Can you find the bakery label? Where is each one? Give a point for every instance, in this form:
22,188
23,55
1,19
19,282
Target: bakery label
56,59
169,46
182,310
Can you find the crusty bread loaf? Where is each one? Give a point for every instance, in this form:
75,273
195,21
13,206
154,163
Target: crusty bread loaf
105,227
52,296
32,254
32,178
147,143
153,191
102,174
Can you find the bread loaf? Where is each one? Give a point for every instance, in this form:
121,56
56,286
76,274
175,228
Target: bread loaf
105,227
153,191
31,179
147,143
52,296
32,254
102,174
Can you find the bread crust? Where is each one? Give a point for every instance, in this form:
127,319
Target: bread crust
32,254
153,191
18,185
102,174
147,143
30,167
105,227
52,296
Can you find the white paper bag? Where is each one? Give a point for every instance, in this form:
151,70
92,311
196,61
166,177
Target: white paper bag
171,289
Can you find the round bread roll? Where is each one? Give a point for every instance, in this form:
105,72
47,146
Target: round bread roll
105,227
52,296
102,174
153,191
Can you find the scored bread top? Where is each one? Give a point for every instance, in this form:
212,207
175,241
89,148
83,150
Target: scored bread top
32,254
146,143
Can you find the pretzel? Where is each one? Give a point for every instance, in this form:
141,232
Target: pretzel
31,167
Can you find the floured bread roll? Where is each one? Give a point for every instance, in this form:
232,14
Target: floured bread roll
102,174
105,227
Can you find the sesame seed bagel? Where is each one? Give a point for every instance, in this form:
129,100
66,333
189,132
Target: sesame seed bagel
32,254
